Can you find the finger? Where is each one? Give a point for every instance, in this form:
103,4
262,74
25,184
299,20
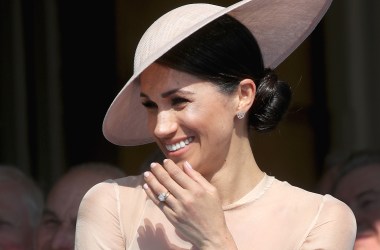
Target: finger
166,180
164,206
197,177
154,188
151,194
178,174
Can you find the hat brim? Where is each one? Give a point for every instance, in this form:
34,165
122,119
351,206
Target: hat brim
279,27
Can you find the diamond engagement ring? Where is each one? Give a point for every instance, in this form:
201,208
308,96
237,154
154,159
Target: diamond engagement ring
163,196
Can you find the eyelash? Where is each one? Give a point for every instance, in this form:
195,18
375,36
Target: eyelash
149,104
178,100
175,101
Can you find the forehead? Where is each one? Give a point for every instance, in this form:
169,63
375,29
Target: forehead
11,191
359,180
65,197
67,193
159,78
12,203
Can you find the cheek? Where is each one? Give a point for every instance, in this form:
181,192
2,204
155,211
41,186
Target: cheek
217,109
10,241
377,224
210,120
151,122
197,113
376,221
45,232
199,118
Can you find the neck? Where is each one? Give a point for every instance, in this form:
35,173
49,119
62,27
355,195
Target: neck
238,175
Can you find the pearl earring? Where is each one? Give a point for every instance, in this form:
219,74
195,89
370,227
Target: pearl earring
240,115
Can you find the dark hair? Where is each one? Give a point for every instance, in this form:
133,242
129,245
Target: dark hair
225,52
354,161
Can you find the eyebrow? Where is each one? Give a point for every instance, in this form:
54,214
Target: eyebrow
367,192
48,212
168,93
5,221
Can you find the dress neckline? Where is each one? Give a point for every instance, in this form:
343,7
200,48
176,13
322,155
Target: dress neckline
253,195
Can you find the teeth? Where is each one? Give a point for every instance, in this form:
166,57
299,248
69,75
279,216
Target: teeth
179,145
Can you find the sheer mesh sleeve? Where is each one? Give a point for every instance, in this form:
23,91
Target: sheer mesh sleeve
335,227
98,223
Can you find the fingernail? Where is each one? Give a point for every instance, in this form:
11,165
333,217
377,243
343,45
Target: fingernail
165,160
145,186
153,164
146,174
187,164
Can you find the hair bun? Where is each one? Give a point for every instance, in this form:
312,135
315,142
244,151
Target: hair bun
271,102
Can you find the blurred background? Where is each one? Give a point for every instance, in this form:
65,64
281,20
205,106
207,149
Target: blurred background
63,62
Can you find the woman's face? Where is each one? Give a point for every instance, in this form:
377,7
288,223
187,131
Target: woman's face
189,118
360,189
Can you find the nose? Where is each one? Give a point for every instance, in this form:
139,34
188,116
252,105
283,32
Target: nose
64,239
166,124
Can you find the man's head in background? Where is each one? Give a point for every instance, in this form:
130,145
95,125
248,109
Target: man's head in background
57,228
21,205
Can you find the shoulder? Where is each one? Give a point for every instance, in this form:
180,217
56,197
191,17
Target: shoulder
334,226
298,196
110,190
323,204
337,212
328,220
129,182
295,196
99,221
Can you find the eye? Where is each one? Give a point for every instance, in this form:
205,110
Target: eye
149,104
365,203
4,223
179,100
369,203
51,223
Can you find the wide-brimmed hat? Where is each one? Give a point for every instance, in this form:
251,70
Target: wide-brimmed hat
279,27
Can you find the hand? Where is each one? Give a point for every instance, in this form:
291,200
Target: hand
193,206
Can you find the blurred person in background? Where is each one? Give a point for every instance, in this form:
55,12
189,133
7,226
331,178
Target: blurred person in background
21,204
330,173
57,227
358,185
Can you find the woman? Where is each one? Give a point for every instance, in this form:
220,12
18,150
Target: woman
201,82
357,184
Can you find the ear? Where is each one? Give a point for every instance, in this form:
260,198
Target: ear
246,93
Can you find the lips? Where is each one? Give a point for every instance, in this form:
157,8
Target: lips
178,145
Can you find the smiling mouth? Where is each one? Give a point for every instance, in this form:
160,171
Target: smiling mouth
179,145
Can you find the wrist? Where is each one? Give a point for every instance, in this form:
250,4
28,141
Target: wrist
226,243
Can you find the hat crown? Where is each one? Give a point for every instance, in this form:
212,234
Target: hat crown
168,29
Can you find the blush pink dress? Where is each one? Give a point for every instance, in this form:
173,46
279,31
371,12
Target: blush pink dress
274,215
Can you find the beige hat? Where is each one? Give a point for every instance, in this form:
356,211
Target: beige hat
279,27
